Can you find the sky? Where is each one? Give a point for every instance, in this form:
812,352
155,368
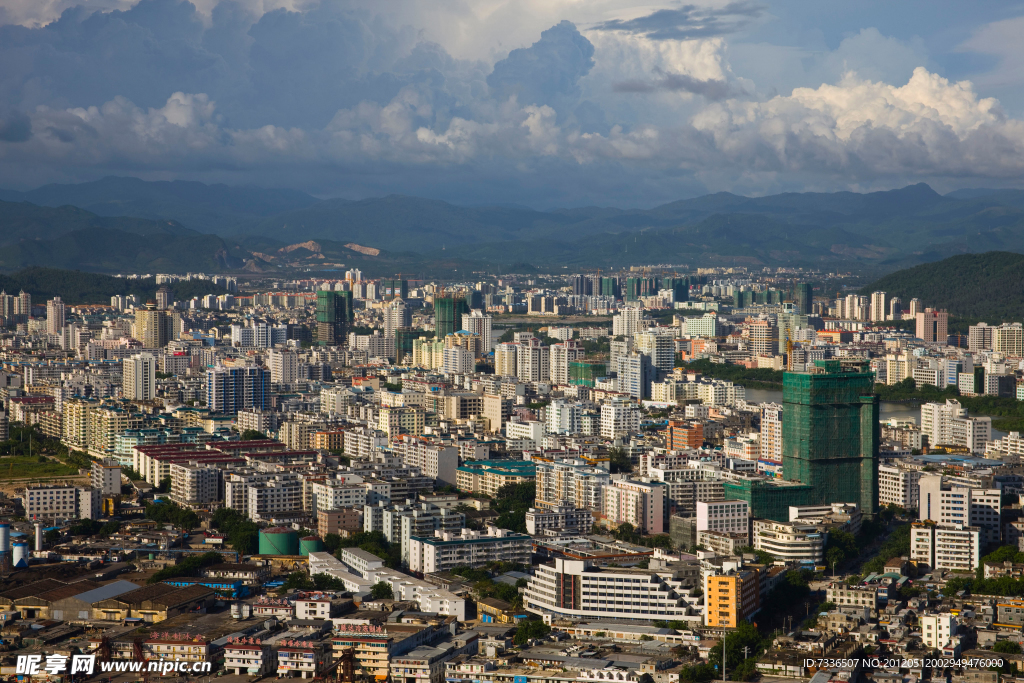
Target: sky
540,103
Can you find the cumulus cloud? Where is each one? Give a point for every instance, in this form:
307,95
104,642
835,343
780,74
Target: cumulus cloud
334,98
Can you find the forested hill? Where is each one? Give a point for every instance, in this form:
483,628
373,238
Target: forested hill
74,287
987,286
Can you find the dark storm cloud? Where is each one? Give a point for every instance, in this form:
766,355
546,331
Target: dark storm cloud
688,21
15,126
711,89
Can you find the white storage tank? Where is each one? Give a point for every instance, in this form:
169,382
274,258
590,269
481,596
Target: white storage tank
19,555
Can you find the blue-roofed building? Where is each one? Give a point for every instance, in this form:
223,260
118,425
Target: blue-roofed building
227,588
487,476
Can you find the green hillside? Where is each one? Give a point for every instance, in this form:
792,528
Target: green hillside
75,287
987,286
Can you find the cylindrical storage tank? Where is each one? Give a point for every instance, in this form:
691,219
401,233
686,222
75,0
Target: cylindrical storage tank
279,540
19,554
310,544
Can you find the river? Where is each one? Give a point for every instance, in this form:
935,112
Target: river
886,410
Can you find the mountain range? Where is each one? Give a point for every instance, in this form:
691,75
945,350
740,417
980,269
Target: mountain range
119,224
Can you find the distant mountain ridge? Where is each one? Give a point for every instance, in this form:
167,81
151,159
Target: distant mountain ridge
242,226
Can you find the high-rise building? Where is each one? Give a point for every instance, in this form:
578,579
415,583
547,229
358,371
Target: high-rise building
106,476
947,424
334,316
139,377
54,315
156,328
770,460
284,366
164,298
931,325
877,306
230,389
479,324
448,312
393,289
533,361
404,337
660,349
23,306
830,433
1008,339
635,375
803,297
915,307
764,338
562,356
628,322
396,315
895,308
979,337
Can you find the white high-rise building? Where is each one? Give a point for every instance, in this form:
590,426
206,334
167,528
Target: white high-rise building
770,460
563,417
106,477
458,361
898,486
937,629
479,324
954,547
54,315
628,322
533,361
895,308
948,425
396,315
561,356
619,418
284,366
660,348
877,306
139,377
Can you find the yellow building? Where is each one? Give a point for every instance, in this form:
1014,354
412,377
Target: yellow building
731,597
427,353
397,420
329,440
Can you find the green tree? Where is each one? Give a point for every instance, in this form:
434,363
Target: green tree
1007,647
382,591
619,461
528,630
253,435
51,537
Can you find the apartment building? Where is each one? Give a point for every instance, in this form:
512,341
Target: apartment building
852,596
937,630
724,516
448,550
898,486
948,503
619,417
273,497
569,480
106,477
732,594
336,495
60,502
770,460
433,460
945,546
947,424
194,484
561,517
790,542
641,504
487,476
610,592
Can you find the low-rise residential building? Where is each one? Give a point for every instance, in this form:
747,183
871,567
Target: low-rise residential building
487,476
561,517
852,596
945,546
612,592
790,542
447,550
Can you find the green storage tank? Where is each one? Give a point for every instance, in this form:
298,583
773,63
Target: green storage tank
279,540
310,544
